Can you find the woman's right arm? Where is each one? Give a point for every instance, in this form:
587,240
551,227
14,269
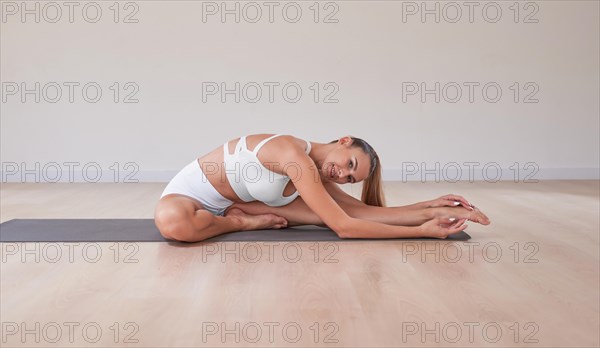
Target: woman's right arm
307,181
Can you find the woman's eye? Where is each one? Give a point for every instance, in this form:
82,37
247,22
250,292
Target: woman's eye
349,180
351,164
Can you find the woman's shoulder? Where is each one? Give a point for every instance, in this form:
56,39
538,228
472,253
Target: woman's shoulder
293,140
280,140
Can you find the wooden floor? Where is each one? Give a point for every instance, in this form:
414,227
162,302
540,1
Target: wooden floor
530,279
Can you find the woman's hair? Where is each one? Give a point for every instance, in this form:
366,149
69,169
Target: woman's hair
372,191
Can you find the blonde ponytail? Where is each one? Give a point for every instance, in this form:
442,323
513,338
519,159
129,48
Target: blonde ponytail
372,191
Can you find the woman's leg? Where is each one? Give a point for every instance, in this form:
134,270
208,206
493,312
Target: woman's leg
181,218
184,219
298,213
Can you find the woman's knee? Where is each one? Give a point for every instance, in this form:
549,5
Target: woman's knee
170,222
176,221
181,224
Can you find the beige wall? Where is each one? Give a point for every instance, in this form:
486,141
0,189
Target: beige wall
372,56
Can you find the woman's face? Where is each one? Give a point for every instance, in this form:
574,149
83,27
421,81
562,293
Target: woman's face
346,163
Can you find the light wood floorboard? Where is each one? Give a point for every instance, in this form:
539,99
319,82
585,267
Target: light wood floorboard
542,291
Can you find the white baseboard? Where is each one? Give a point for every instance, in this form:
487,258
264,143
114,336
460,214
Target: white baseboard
492,175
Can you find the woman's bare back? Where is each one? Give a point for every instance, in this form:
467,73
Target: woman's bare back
213,168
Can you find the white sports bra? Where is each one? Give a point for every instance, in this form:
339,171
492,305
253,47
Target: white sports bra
251,180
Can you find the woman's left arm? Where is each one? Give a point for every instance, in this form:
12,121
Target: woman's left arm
408,215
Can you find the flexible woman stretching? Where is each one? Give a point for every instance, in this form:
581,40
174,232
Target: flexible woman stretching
265,181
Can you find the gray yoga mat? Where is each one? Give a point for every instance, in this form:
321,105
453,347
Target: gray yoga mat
144,230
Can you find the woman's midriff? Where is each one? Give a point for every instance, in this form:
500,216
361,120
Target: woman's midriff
213,167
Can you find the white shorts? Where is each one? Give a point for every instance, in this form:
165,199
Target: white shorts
191,182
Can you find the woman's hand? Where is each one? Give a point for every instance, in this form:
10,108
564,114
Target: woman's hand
449,201
442,227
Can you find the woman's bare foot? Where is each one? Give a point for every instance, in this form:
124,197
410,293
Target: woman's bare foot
478,216
460,212
257,222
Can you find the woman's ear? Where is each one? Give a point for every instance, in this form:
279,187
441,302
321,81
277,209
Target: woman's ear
347,140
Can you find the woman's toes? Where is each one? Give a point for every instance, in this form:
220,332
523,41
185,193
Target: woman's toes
280,220
482,218
487,220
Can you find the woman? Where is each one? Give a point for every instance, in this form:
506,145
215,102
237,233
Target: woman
265,181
